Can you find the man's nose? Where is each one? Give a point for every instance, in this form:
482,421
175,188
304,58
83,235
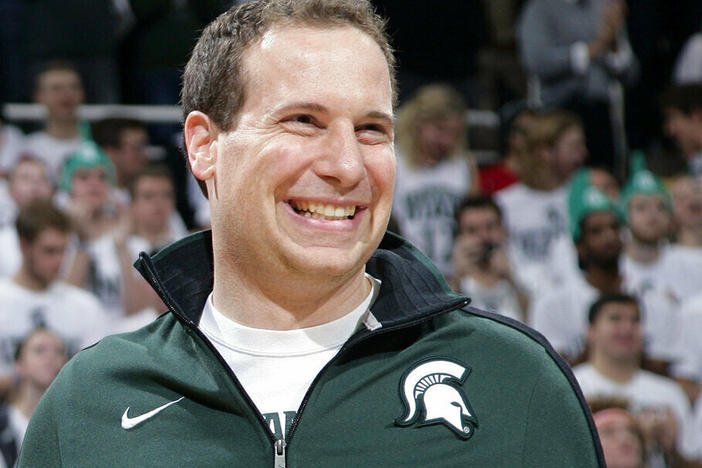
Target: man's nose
341,158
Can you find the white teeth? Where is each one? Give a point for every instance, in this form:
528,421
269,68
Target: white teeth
322,211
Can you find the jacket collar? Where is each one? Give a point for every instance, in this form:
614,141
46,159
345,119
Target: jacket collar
412,288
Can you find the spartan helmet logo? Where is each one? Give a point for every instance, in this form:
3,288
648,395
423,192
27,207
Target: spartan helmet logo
432,395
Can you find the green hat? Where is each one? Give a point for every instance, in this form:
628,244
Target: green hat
584,199
642,181
87,155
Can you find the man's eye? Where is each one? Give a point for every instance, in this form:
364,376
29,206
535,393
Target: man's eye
302,118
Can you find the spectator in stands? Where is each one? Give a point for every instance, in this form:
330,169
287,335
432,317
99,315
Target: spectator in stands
28,182
38,360
152,205
58,88
100,261
434,170
574,52
646,261
535,207
514,119
561,313
35,297
682,108
613,368
125,142
482,269
621,435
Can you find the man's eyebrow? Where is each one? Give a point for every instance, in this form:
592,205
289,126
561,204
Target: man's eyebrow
315,107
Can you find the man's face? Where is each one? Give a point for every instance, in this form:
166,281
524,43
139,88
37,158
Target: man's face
42,258
303,184
130,156
61,92
89,185
684,129
620,443
438,138
569,152
29,182
687,202
601,242
42,357
483,223
649,219
616,332
152,203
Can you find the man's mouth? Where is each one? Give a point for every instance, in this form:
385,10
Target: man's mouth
322,210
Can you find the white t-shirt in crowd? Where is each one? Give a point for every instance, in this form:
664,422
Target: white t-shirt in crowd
645,390
425,205
11,258
690,343
12,145
277,367
684,269
560,314
52,151
534,220
501,298
72,313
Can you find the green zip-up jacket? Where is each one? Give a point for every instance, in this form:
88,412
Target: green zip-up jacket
426,381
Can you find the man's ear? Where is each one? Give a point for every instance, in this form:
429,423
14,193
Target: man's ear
200,134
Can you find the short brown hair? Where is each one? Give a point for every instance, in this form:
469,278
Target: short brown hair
155,170
38,216
214,82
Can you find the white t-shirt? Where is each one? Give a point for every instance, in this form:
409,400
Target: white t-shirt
644,390
425,204
535,220
52,151
11,258
277,367
12,144
72,313
18,424
105,279
690,364
501,298
560,314
684,269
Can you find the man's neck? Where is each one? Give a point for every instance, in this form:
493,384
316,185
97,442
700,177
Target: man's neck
155,238
604,279
62,129
621,371
28,281
27,399
287,303
643,252
690,237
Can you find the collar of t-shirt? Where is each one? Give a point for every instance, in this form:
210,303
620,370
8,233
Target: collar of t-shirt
263,342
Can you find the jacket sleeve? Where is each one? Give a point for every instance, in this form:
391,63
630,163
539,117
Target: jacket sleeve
41,443
560,430
540,53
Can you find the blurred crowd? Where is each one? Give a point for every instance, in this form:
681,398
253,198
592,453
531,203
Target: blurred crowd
584,222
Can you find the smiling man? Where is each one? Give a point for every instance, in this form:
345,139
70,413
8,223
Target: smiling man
299,332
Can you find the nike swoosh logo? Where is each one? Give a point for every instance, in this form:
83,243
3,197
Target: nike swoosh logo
128,423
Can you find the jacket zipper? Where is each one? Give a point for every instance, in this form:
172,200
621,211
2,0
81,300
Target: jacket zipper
279,454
